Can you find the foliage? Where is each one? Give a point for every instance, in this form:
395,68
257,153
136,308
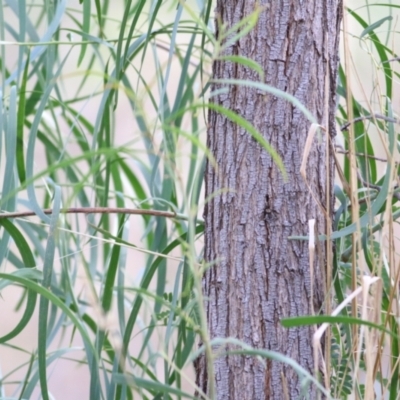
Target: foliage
102,123
362,309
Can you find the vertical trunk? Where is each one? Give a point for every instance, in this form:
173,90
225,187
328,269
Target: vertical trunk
261,276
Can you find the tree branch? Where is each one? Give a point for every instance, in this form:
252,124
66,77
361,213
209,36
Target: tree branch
95,210
343,151
367,117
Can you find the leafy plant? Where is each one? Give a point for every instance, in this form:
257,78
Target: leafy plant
365,332
102,131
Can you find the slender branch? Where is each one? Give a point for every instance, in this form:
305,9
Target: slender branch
393,59
342,151
346,255
345,127
95,210
367,184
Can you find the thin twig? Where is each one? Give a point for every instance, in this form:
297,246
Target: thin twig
393,59
376,187
95,210
345,127
367,184
342,151
360,178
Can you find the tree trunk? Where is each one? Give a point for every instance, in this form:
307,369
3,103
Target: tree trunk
261,276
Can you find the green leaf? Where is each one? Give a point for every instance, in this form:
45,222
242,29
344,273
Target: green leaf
29,261
247,62
154,387
20,125
375,25
85,27
381,52
46,282
340,319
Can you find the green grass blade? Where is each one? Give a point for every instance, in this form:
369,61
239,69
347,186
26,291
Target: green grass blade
85,28
20,125
9,184
44,302
155,388
29,262
375,25
381,52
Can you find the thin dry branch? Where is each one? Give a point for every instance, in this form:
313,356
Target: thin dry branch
340,150
94,210
346,126
391,60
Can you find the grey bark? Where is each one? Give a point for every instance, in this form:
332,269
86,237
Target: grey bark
261,276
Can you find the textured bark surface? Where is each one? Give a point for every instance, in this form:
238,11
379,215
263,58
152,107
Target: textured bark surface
262,276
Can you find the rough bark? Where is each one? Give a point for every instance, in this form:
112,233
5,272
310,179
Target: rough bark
261,276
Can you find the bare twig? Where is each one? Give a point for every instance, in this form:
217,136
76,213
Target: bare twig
391,60
372,186
360,178
367,184
340,150
95,210
345,127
